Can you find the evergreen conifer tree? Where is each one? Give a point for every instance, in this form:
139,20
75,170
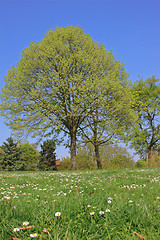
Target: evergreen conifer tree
10,159
47,156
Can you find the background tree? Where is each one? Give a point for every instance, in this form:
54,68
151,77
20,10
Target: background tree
10,160
52,88
65,164
141,163
86,157
1,156
29,156
145,135
112,156
111,114
155,159
47,156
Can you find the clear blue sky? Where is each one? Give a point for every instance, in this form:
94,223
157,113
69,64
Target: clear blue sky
130,28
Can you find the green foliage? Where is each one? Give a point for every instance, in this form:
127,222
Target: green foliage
112,156
1,151
57,83
47,156
86,158
145,135
1,156
29,156
141,163
65,164
155,159
10,159
110,113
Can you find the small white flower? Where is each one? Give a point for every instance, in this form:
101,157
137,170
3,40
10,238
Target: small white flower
6,197
130,201
101,212
107,210
109,201
25,223
33,235
92,213
57,214
88,205
110,198
16,230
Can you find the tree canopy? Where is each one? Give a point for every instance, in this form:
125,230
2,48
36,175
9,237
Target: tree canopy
57,83
145,135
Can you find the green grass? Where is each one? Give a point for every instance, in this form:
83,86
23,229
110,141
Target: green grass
36,197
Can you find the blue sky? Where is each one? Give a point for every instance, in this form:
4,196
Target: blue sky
130,28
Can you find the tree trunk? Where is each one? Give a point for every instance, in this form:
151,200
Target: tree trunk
149,158
96,146
99,165
73,150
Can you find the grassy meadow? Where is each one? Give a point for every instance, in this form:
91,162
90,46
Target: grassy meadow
74,205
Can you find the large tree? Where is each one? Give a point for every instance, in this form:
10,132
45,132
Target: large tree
52,88
145,135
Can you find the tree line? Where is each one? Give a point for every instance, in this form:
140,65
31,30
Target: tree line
67,85
16,156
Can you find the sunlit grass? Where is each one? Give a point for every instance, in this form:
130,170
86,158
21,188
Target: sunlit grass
102,204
